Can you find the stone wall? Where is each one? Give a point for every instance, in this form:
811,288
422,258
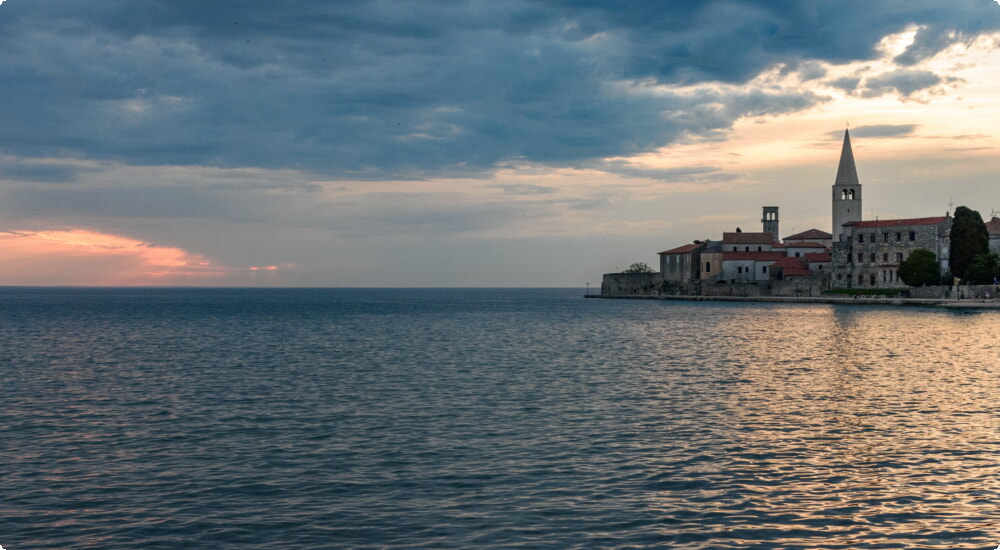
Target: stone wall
650,284
961,292
807,286
631,284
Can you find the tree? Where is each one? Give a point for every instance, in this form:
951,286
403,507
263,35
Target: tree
639,267
920,268
985,269
969,238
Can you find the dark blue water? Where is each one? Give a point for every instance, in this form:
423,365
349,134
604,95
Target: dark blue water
152,418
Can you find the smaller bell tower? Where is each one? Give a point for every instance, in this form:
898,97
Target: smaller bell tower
770,222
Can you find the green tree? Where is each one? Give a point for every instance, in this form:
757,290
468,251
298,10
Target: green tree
920,268
639,267
969,238
985,268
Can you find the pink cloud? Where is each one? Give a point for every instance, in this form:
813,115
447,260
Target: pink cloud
86,258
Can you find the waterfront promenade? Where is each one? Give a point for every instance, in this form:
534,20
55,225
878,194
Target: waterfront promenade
842,300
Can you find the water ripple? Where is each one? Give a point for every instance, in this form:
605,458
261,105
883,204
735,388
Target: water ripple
522,419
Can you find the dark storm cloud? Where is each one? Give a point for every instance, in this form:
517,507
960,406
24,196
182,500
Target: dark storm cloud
40,171
905,82
365,90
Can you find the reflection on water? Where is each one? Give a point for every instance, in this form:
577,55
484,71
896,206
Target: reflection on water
458,419
841,428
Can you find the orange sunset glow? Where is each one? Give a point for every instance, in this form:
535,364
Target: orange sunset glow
82,257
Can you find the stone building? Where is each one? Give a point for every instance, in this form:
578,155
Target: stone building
741,267
711,260
748,242
856,254
870,254
810,236
682,264
993,228
867,254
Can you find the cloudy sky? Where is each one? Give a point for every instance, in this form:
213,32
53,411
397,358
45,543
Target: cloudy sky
468,142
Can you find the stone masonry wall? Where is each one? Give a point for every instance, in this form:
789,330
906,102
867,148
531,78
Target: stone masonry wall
649,284
631,284
878,265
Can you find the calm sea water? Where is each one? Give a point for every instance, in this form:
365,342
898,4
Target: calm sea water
307,419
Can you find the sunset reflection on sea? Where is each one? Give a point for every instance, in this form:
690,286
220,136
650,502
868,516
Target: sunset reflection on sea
491,418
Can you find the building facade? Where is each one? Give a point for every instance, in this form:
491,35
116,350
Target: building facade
869,254
682,264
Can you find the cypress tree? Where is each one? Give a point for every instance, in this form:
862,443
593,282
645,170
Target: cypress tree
969,238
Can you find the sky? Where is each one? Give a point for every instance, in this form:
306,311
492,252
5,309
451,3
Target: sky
468,143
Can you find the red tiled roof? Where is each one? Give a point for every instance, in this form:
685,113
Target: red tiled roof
818,257
681,249
993,226
898,223
775,246
747,238
796,272
755,256
789,262
806,245
791,267
811,234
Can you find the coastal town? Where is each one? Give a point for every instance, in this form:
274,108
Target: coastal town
856,257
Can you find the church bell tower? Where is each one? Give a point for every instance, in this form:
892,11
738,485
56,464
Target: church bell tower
770,222
846,191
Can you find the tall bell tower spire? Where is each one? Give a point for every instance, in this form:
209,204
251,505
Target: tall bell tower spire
846,190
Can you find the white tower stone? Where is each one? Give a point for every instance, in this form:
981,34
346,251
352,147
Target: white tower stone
846,191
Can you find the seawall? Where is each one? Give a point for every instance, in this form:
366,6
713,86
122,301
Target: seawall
991,303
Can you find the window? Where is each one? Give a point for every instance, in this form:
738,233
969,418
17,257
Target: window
747,249
861,237
871,237
739,270
873,257
708,267
913,235
899,236
797,254
899,257
821,267
763,269
885,256
872,279
759,249
861,279
861,257
885,236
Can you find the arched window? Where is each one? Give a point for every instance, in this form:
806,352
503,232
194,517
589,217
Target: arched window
708,267
850,194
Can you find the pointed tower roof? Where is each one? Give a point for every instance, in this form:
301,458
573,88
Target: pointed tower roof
847,173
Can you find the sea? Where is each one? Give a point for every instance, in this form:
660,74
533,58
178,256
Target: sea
491,418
